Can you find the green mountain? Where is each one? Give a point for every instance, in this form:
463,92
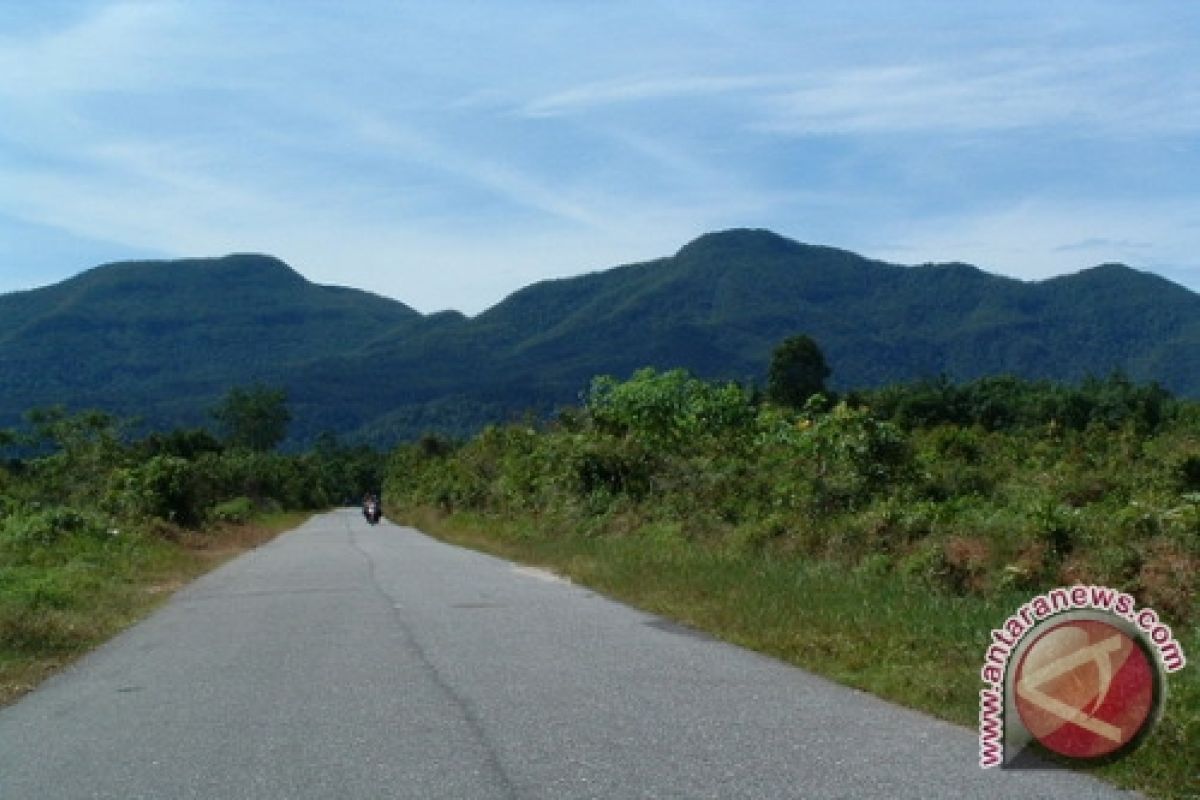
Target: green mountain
164,340
167,339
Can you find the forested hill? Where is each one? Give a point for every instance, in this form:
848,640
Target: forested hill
725,299
166,339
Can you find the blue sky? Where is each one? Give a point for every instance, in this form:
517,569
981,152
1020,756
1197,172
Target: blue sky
447,153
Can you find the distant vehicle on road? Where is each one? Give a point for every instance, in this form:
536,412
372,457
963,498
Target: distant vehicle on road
371,509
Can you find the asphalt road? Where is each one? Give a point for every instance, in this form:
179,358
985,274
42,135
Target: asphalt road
345,661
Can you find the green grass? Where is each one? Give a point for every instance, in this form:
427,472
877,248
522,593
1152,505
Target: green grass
874,631
60,599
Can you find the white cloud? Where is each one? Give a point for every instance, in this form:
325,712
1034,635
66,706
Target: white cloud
117,48
629,90
1102,90
1113,90
504,180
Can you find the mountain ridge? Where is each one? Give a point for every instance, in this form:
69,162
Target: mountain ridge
166,338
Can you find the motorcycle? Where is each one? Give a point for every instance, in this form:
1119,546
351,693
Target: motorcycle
371,512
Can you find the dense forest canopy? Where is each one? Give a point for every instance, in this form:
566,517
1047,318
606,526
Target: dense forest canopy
163,341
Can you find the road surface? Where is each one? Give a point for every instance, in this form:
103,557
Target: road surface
348,661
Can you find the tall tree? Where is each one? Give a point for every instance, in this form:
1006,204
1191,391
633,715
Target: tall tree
254,417
798,371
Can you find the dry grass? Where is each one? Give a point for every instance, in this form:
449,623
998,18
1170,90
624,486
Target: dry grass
217,545
1169,578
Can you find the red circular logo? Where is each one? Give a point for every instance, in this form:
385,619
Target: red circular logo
1085,689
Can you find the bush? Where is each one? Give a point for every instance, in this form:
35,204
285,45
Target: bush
963,509
47,527
164,487
237,511
669,411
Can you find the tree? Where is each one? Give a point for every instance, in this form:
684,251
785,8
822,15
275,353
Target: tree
255,417
184,443
798,371
84,448
667,410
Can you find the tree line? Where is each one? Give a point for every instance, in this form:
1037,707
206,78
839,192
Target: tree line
998,481
88,462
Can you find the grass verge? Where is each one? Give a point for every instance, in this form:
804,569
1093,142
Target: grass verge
70,595
873,631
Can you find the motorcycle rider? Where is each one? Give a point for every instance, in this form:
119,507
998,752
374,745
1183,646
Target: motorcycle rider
371,507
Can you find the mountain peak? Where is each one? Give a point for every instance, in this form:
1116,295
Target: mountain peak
739,240
186,275
1116,277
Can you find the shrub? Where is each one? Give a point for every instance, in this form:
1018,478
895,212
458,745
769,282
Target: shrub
165,487
669,411
851,456
47,527
238,510
1066,485
1187,473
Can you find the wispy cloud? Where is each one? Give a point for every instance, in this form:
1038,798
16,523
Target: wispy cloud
1094,243
642,89
112,49
398,140
1103,90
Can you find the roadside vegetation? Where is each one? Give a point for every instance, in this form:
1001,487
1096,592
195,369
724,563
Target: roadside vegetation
876,538
97,528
